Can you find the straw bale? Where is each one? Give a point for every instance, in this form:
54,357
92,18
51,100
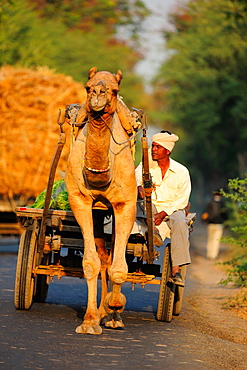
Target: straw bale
29,105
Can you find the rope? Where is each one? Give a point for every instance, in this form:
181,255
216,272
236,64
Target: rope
124,142
99,116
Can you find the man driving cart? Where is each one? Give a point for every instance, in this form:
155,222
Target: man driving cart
170,196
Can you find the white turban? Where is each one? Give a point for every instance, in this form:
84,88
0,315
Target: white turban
166,140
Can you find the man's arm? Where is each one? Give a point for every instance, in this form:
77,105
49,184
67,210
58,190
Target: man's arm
182,198
183,192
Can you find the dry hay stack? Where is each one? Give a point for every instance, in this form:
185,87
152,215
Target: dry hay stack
30,101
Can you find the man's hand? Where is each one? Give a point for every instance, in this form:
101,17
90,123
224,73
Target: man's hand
187,208
159,217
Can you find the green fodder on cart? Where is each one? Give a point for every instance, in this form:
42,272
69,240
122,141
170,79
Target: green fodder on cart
59,197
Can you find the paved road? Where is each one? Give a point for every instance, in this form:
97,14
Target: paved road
44,337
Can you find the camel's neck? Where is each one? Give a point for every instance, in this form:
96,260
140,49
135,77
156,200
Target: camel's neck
98,144
97,159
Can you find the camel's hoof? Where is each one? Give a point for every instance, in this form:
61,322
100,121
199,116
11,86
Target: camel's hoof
113,321
114,324
89,329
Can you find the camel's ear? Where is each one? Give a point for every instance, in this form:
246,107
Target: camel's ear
92,72
119,76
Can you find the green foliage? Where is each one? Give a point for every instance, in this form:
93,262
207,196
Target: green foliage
86,15
59,197
17,37
62,201
202,87
237,272
51,35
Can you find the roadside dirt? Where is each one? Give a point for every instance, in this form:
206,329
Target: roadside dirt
206,305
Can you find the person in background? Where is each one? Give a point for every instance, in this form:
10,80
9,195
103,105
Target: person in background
170,196
215,215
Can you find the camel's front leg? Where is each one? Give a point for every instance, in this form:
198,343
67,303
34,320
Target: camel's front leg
91,321
114,304
115,301
124,220
91,265
104,260
91,268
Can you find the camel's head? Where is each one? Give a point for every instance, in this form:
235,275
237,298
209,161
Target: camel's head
102,89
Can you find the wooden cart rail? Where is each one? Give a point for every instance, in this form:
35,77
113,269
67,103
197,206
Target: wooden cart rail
38,213
60,271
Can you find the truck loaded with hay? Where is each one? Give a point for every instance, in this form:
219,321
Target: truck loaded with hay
30,101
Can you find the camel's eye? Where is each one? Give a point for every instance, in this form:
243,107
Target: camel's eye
99,91
94,92
102,91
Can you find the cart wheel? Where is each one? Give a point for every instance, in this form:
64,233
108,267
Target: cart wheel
179,294
167,290
26,261
42,282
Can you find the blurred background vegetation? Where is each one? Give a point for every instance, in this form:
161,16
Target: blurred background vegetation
199,91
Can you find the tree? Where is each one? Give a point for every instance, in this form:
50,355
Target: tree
202,88
237,265
71,37
86,15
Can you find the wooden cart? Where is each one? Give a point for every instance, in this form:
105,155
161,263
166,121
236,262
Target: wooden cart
62,256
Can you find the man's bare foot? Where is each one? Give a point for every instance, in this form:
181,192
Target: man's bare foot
176,276
175,269
177,279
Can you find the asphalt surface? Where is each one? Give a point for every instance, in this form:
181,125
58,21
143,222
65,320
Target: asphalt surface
44,338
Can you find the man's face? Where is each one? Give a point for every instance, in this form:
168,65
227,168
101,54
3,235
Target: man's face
159,152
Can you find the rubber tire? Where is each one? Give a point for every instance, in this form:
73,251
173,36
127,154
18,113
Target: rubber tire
26,261
167,290
178,299
42,285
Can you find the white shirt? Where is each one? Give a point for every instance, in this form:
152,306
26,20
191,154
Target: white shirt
170,193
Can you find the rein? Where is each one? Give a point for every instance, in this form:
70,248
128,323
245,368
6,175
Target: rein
113,138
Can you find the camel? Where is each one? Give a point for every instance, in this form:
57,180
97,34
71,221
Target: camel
101,170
